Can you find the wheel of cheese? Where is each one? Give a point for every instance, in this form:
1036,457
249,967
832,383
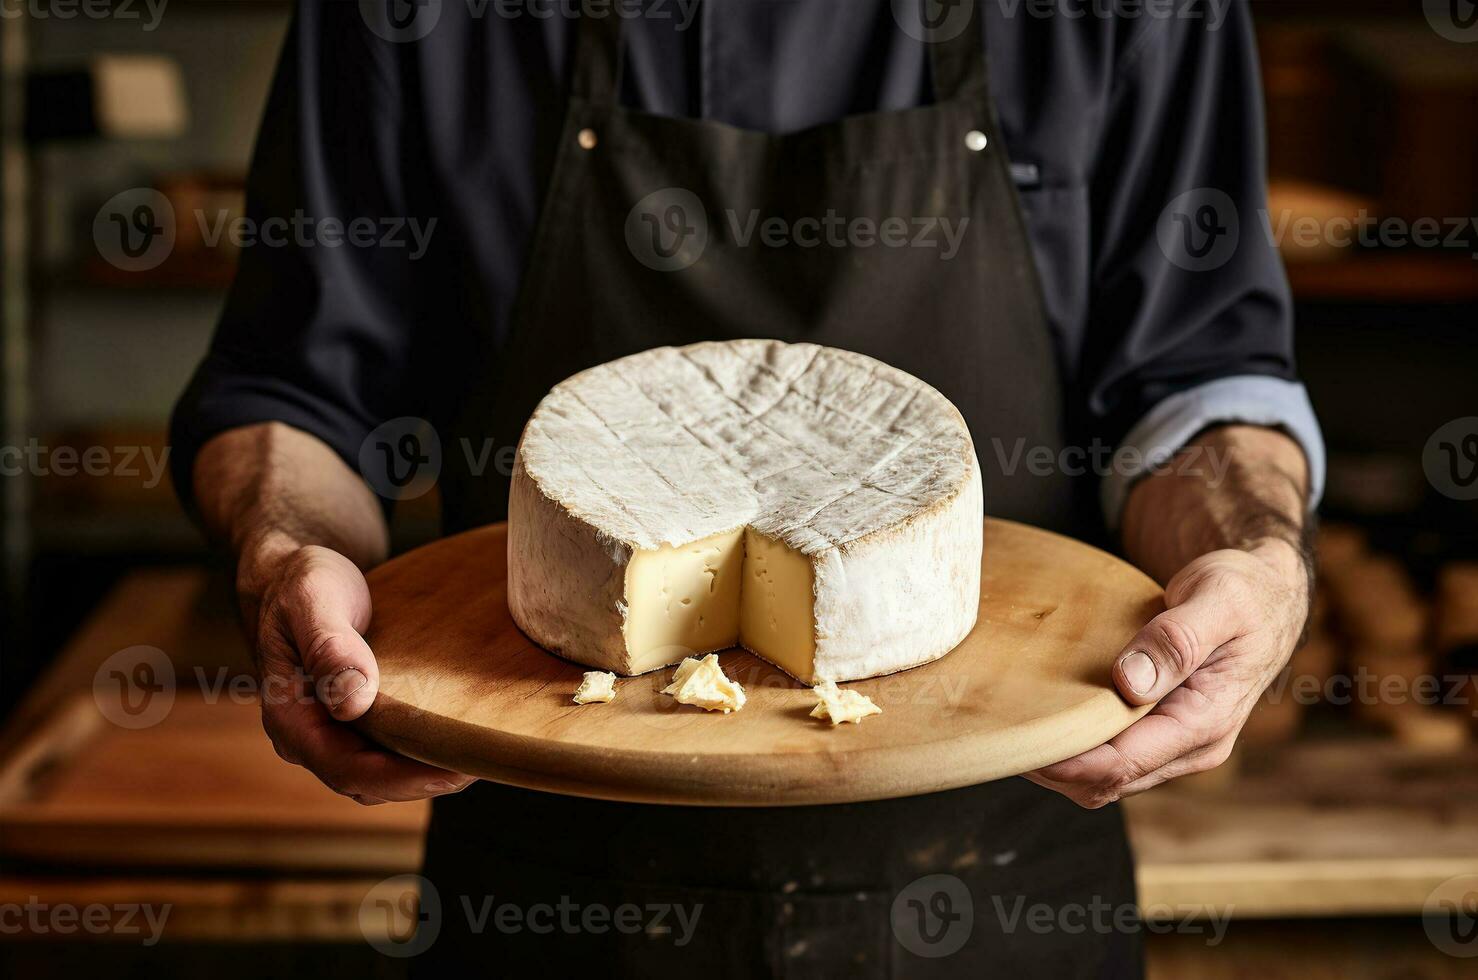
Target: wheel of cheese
815,506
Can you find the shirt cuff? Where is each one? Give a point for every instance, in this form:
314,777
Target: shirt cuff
1247,399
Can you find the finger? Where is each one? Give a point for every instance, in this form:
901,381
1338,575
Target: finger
1097,777
1175,643
1201,760
1103,774
346,762
324,612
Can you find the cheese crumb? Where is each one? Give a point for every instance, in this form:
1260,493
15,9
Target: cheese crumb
598,687
702,683
838,706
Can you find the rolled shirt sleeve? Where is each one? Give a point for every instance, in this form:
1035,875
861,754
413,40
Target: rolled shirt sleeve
1191,314
319,328
1249,399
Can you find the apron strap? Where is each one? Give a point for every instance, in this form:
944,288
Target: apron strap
598,57
958,63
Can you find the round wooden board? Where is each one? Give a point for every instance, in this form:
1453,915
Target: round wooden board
462,687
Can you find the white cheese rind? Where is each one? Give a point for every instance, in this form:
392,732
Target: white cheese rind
902,596
862,469
566,581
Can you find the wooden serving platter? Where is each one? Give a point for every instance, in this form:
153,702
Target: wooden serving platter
462,687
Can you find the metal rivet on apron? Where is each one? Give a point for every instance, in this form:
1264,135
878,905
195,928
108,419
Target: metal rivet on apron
976,140
587,139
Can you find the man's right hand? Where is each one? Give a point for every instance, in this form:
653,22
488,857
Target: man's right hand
302,524
311,608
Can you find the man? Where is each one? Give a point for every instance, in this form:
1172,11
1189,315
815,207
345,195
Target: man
1099,296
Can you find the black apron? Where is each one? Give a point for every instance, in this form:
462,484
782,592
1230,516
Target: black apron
641,244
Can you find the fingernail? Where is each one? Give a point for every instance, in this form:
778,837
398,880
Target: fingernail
1139,671
442,786
343,684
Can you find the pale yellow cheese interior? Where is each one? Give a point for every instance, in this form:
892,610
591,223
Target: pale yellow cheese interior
739,587
683,600
777,606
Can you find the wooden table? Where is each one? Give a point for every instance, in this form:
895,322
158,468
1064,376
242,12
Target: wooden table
1335,828
195,811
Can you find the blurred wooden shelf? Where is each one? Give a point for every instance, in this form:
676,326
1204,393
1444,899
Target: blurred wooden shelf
1324,10
136,531
199,788
1412,279
1335,828
213,909
177,272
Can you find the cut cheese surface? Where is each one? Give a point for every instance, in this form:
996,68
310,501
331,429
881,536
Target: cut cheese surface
816,506
690,600
778,617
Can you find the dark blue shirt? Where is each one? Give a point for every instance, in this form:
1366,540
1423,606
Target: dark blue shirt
1112,123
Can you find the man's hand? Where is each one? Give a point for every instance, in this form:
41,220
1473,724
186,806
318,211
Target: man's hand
1235,609
1232,621
302,525
317,674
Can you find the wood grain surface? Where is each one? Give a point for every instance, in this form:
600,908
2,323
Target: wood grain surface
462,687
202,788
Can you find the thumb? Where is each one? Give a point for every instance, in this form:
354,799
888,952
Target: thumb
331,604
1173,645
345,675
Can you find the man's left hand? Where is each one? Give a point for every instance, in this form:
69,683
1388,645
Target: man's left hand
1232,620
